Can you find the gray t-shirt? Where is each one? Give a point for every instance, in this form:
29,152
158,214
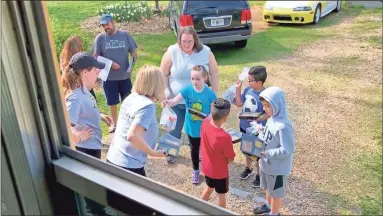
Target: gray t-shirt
116,48
83,113
139,110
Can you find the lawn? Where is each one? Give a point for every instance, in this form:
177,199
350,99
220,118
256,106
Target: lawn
273,44
266,45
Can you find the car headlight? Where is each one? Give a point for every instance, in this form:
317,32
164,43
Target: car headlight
268,7
305,8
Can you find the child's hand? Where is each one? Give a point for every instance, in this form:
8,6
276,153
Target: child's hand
164,103
238,84
259,128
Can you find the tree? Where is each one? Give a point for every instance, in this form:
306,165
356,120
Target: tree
158,9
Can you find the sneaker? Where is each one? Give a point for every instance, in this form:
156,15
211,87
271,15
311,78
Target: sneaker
195,177
257,182
171,159
262,209
246,173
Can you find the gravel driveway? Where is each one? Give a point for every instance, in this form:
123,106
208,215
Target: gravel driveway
330,86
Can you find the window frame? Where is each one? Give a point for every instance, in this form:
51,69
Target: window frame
37,141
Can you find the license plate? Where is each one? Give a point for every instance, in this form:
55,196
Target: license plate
217,22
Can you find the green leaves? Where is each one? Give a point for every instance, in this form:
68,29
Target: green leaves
123,12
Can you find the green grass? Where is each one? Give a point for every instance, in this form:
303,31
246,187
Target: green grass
274,43
257,3
371,166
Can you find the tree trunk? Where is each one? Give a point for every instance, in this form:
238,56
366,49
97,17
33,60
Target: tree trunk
157,5
157,9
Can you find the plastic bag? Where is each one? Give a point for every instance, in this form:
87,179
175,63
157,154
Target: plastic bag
251,145
229,94
256,129
168,119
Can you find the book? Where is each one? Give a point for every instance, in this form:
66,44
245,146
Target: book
132,62
249,115
197,113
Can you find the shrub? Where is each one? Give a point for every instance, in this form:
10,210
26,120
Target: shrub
127,12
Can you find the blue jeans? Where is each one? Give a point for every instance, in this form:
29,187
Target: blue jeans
180,110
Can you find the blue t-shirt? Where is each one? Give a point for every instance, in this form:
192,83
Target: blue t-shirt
140,110
200,101
251,103
83,113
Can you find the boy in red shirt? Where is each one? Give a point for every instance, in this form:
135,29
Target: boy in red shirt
216,152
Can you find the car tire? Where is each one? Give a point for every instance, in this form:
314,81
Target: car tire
317,15
338,6
240,44
176,30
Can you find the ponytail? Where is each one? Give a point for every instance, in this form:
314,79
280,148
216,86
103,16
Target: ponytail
71,79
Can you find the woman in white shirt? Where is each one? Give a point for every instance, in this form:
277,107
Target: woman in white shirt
177,63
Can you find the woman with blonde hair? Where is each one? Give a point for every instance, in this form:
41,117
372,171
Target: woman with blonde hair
71,46
177,64
137,129
78,77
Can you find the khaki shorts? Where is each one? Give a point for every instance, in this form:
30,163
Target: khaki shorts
274,184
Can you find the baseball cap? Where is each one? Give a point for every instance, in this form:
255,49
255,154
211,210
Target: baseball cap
105,19
84,60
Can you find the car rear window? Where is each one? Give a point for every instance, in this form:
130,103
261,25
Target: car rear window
206,4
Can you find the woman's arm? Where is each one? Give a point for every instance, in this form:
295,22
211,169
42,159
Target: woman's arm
165,66
105,118
81,136
135,137
213,68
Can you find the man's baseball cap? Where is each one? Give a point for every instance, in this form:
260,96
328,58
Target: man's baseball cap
105,19
84,60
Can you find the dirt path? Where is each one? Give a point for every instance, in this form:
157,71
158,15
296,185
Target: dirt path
331,86
327,86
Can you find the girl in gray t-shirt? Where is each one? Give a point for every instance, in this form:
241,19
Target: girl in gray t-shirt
137,128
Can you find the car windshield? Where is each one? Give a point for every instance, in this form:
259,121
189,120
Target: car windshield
214,4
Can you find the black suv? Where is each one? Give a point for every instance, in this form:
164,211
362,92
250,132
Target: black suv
214,21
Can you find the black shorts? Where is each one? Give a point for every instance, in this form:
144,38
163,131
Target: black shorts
252,157
221,186
139,171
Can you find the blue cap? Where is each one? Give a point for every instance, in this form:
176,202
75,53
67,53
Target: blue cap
105,19
84,60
